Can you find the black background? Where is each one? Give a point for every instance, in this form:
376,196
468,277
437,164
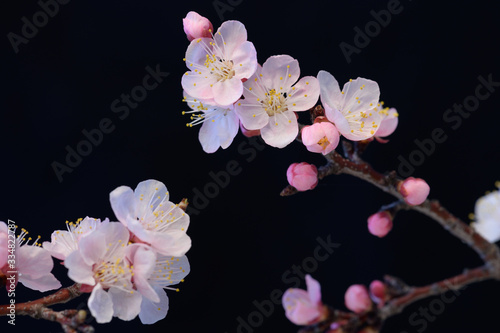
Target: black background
428,58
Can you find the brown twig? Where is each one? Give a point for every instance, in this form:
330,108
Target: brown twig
70,320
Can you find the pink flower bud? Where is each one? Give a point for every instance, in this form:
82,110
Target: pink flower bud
305,307
414,190
321,137
303,176
357,298
380,224
196,26
248,133
378,291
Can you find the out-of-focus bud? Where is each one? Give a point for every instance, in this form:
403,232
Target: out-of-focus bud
414,190
379,224
321,137
196,26
357,298
303,176
248,133
378,291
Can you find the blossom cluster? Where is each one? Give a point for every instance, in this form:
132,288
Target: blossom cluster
125,265
227,89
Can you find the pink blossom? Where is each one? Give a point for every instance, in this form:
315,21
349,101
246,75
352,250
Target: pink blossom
272,96
152,274
379,224
304,307
218,65
389,121
151,217
32,263
321,137
414,190
378,291
351,110
100,262
303,176
357,298
196,26
64,242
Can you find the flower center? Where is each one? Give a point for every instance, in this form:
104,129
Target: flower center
274,102
323,142
116,274
222,69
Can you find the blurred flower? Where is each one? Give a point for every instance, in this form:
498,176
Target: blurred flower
379,224
487,215
304,307
357,298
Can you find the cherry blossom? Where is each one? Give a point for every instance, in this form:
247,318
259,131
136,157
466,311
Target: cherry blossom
219,124
304,307
320,137
379,224
487,215
151,217
351,110
64,242
389,121
272,95
152,274
414,190
357,298
303,176
32,264
196,26
100,262
218,65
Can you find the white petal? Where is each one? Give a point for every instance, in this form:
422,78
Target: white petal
149,194
280,71
360,95
126,305
228,91
230,36
245,60
92,247
123,203
33,261
153,312
219,131
330,90
44,283
281,130
78,270
304,94
100,305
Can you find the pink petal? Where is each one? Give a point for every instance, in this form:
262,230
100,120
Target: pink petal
123,203
152,312
280,71
330,90
78,270
314,290
229,37
228,91
126,304
33,261
245,60
199,84
252,117
93,247
100,305
305,95
336,117
360,95
388,124
174,243
44,283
